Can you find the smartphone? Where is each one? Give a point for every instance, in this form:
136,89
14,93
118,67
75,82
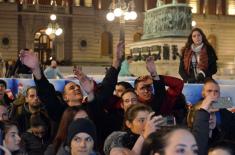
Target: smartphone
223,102
168,121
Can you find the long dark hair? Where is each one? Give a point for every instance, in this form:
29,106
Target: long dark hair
66,119
157,141
190,40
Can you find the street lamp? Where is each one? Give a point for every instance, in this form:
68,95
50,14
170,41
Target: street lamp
53,27
124,11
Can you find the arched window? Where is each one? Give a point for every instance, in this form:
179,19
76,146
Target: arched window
43,45
106,44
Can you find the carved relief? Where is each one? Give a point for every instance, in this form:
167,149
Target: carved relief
170,20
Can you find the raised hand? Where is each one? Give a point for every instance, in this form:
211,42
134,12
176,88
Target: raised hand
77,70
30,59
150,66
152,124
118,54
86,83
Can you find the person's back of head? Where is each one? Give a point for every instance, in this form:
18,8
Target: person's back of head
164,139
40,125
222,148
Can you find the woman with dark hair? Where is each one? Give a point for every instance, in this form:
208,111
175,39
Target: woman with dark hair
10,137
198,59
70,114
139,122
170,141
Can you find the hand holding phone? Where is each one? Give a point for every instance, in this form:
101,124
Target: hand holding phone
168,121
222,103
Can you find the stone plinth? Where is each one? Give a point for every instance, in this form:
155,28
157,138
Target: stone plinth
165,51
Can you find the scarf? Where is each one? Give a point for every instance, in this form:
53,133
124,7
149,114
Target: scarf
203,57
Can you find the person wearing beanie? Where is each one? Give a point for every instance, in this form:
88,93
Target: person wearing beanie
81,137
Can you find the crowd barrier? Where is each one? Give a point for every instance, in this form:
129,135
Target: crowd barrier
192,92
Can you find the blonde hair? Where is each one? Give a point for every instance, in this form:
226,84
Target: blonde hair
191,113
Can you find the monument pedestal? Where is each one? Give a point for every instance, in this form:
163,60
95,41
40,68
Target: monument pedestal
165,51
166,29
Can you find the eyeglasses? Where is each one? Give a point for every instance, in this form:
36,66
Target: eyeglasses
147,88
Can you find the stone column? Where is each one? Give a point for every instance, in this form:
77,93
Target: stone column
219,7
145,5
88,3
76,3
99,4
205,7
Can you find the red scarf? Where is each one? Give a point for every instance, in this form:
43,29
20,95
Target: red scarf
203,63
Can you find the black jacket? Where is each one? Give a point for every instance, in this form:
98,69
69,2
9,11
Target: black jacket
55,106
33,144
225,131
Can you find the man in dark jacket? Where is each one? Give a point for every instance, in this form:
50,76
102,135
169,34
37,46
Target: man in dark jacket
72,92
206,126
21,113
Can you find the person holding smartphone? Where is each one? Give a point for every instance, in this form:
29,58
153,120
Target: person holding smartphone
210,125
20,70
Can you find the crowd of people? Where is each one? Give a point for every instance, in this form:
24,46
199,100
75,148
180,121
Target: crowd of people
115,118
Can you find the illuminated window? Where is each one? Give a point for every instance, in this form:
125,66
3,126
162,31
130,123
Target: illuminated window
193,4
231,7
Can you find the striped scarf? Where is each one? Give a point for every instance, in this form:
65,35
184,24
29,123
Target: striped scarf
202,64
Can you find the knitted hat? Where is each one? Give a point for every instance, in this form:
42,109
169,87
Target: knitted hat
81,125
115,139
3,82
